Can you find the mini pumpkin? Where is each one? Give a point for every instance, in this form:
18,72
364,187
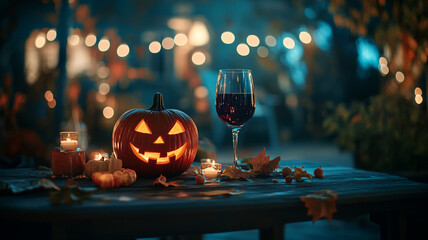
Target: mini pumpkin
155,141
123,177
93,166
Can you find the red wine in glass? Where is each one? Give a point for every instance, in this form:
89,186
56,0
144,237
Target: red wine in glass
235,102
235,108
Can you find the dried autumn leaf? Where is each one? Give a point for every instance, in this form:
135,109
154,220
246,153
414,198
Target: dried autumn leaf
21,186
161,182
228,192
192,171
70,193
320,204
233,172
262,165
299,173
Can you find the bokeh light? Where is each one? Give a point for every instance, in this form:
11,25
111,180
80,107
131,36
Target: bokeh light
419,99
262,51
270,41
384,70
418,91
180,39
201,92
227,37
243,49
383,61
108,112
104,45
288,43
399,76
122,50
52,103
168,43
51,35
40,40
103,72
155,47
305,37
104,88
198,58
90,40
49,95
74,40
253,40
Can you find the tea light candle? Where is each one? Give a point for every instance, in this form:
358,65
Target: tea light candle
211,170
69,145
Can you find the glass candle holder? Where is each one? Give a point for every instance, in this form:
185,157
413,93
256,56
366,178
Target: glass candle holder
68,160
211,170
68,141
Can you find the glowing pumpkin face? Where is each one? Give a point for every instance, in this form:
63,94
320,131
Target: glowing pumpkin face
155,141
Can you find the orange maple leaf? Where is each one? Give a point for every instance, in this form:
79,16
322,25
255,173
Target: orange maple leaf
262,165
161,182
299,173
320,204
233,172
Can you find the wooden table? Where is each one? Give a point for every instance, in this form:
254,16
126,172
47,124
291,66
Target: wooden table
397,204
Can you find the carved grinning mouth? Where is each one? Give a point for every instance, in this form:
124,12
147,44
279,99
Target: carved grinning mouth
156,155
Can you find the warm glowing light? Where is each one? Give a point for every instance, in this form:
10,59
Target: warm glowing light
288,43
52,103
419,99
104,88
201,92
383,69
40,40
270,41
227,37
74,40
253,40
262,51
100,98
180,39
104,45
198,34
122,50
90,40
108,112
418,91
305,37
51,35
49,96
243,49
198,58
399,76
383,61
168,43
103,72
179,24
177,128
155,47
143,128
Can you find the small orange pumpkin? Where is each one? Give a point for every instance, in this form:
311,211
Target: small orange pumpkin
123,177
96,166
103,179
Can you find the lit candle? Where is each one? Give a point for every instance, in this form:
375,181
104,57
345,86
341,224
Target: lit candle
69,145
211,171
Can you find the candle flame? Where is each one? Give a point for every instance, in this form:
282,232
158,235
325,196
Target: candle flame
68,139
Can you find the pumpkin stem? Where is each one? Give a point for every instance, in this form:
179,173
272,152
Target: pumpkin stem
157,103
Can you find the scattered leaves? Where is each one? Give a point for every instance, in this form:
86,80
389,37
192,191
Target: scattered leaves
161,182
192,170
21,186
318,172
227,192
262,165
320,204
233,173
275,180
299,173
289,179
70,193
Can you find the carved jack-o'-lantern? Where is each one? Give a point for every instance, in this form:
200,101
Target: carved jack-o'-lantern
155,141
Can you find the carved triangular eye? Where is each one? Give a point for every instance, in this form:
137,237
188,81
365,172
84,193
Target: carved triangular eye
143,128
177,128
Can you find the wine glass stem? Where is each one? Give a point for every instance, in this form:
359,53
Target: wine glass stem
235,132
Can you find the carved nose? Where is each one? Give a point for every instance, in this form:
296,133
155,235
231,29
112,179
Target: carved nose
159,140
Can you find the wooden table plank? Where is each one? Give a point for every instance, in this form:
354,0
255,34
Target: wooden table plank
142,210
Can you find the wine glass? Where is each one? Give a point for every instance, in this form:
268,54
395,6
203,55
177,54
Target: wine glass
235,102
